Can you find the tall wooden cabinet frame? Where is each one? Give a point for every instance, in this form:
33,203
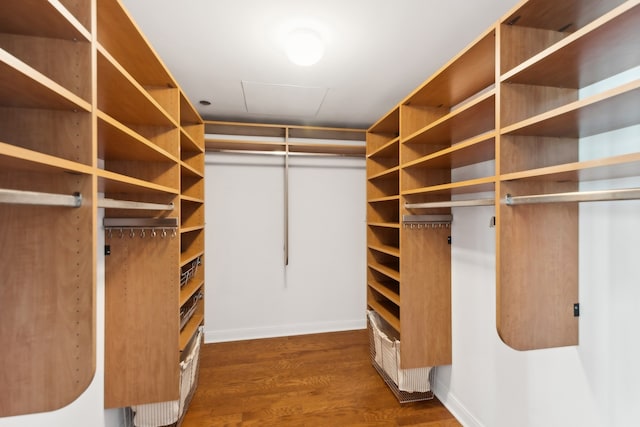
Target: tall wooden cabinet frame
509,101
542,121
91,115
48,258
151,140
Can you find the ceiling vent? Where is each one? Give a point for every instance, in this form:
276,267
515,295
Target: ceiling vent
283,100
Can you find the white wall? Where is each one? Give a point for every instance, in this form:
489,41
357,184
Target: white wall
594,384
88,409
250,293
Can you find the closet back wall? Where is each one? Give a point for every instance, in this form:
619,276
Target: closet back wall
251,292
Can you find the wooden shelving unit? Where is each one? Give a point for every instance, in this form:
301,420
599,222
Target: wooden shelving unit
287,139
91,115
151,147
508,106
383,219
47,321
539,154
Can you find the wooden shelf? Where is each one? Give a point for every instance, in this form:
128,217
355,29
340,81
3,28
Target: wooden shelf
17,158
473,150
122,97
188,170
384,199
393,173
191,328
187,257
337,149
190,199
387,271
389,250
27,17
122,38
192,229
606,111
567,15
599,50
390,149
384,224
474,118
388,124
461,187
188,290
237,145
384,312
462,77
110,182
188,143
118,142
24,87
384,290
623,166
282,131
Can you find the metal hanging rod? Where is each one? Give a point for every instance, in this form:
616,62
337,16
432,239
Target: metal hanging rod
577,196
20,197
450,204
126,204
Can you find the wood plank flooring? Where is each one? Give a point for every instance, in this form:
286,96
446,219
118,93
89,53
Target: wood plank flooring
310,380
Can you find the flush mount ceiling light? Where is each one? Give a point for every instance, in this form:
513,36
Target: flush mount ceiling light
304,47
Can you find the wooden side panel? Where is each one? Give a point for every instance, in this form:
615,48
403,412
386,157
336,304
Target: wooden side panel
141,325
425,295
47,259
538,270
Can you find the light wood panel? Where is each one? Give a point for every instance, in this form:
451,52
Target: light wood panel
425,292
538,270
47,321
141,323
47,253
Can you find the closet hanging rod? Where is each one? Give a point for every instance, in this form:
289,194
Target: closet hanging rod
450,204
577,196
20,197
126,204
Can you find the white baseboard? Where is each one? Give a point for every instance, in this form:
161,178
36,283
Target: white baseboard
454,406
213,336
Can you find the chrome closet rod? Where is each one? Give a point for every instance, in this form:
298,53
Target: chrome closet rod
576,196
127,204
286,198
450,204
21,197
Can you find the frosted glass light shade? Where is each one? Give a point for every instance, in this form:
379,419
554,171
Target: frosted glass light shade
304,47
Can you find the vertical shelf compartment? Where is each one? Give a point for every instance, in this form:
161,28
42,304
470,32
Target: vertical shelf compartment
383,218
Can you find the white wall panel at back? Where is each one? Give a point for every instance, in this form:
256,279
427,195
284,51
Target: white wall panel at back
250,292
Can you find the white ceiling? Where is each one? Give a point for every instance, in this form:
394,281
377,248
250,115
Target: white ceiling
377,52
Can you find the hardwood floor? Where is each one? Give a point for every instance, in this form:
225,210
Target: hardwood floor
310,380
